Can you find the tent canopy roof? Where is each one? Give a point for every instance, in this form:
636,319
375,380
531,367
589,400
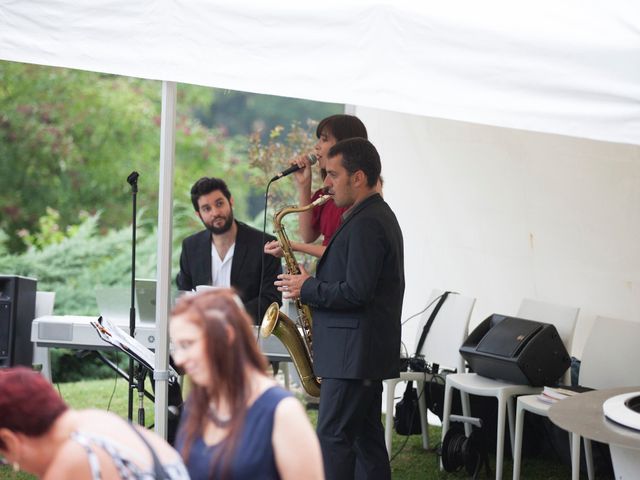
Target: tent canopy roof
569,68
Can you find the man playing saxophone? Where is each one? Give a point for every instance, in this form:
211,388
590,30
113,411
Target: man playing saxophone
356,301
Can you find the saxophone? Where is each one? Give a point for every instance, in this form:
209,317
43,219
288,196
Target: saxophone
279,324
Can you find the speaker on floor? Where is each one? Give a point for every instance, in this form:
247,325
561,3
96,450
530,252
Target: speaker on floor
517,350
17,311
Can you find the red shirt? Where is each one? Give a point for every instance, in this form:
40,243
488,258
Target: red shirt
326,218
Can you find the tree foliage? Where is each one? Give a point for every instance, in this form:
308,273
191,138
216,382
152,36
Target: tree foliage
69,139
65,138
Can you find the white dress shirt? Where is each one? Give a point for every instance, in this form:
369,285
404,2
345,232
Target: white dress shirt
221,268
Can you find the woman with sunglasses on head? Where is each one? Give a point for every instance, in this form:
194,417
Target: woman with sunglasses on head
237,423
41,435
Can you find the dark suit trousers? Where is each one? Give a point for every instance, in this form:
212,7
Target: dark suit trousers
350,430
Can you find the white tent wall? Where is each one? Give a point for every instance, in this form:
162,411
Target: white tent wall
502,214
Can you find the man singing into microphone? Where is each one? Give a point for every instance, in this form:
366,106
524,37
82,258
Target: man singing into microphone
356,300
227,253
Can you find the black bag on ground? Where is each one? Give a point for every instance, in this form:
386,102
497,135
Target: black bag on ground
407,418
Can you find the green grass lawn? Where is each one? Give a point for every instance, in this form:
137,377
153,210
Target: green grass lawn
412,462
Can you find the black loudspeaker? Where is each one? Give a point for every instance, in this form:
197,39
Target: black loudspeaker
17,311
522,351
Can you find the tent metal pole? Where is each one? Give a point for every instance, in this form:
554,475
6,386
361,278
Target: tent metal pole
165,224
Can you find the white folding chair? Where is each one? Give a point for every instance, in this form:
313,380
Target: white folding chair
564,319
441,345
609,360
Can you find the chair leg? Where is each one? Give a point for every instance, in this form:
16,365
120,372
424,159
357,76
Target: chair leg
589,458
285,372
388,422
446,411
502,412
517,447
575,456
466,411
424,421
625,462
511,419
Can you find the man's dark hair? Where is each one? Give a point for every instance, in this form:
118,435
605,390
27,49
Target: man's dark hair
207,185
359,154
342,126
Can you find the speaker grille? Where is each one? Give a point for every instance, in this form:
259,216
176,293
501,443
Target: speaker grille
55,331
508,340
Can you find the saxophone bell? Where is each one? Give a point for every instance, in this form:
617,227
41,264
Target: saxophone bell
275,322
269,320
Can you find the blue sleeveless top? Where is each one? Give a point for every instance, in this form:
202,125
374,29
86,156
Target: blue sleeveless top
254,457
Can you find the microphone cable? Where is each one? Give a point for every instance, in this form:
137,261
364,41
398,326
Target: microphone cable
312,160
264,237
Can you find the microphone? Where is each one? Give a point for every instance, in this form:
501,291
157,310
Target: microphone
132,180
294,168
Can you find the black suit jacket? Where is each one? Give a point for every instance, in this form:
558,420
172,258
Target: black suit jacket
356,296
195,267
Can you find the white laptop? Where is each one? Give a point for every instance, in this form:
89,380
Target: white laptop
114,302
146,300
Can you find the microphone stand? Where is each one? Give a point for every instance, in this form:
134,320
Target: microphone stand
132,180
142,372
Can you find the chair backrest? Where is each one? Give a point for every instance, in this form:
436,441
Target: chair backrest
448,331
562,317
44,303
611,355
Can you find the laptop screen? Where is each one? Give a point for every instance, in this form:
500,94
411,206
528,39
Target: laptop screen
146,300
114,302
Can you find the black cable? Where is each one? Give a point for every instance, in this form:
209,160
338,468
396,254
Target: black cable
264,237
424,309
406,352
403,348
461,451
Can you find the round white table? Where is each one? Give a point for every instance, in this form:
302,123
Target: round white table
583,415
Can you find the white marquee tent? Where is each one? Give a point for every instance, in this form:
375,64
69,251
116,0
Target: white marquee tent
509,131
